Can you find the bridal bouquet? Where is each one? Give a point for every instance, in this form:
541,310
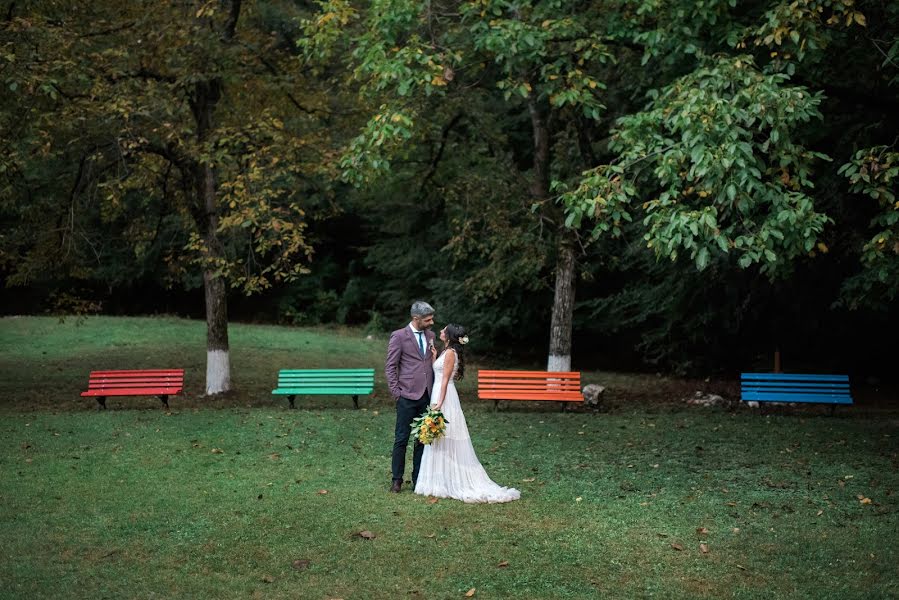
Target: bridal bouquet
429,426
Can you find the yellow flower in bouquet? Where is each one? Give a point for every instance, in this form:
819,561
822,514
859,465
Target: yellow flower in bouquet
429,426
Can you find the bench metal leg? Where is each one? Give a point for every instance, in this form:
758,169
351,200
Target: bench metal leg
290,399
356,402
102,401
165,400
496,406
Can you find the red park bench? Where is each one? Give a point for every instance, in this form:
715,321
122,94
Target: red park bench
148,382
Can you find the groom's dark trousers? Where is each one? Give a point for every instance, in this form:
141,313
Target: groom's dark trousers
406,410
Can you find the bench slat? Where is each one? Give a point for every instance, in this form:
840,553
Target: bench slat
514,385
531,396
132,371
328,371
333,391
127,380
798,390
793,377
529,374
815,398
134,391
323,378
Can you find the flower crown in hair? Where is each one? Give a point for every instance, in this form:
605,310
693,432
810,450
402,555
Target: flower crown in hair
463,340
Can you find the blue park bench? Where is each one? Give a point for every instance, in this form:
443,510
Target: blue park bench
331,382
790,387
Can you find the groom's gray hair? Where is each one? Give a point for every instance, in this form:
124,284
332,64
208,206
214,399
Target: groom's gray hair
421,309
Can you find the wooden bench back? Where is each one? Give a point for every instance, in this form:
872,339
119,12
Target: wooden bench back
790,387
562,386
325,381
146,382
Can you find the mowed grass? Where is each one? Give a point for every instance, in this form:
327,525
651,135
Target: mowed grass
218,499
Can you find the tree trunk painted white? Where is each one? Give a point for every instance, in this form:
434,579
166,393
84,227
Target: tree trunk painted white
206,95
218,365
559,363
563,305
218,371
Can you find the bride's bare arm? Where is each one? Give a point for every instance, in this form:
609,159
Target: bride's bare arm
449,361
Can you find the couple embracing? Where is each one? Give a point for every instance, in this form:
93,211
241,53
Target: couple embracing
418,377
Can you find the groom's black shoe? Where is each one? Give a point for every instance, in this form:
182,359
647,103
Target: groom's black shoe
397,486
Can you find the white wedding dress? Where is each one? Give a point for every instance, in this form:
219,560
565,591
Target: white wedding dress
449,466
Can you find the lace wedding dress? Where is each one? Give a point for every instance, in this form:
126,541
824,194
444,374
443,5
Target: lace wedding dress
449,466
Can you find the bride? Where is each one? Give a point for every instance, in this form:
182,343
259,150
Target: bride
449,466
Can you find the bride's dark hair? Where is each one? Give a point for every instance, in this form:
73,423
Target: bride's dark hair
453,334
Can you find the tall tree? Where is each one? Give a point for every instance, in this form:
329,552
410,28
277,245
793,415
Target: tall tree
187,109
538,59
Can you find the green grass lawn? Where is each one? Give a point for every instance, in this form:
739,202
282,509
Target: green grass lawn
218,499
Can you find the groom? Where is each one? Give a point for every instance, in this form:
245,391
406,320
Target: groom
410,377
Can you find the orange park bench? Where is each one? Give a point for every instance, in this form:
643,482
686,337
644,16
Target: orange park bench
148,382
555,386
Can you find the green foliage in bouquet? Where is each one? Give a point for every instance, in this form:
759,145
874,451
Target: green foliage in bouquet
429,426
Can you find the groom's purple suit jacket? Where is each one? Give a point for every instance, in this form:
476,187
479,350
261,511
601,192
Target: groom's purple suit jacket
408,373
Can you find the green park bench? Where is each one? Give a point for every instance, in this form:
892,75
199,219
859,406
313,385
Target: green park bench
331,382
146,382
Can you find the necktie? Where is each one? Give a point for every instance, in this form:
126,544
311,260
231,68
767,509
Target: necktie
421,343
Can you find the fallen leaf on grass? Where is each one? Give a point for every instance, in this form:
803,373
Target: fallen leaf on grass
528,479
503,563
366,535
704,548
322,492
819,513
218,451
741,567
301,563
431,535
470,592
268,579
863,500
433,500
677,546
702,531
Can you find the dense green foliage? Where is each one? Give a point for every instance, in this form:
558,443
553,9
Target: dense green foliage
725,170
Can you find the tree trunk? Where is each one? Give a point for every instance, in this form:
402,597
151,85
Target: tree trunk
563,304
206,95
218,363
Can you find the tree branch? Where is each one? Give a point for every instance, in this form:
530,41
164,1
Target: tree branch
443,140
